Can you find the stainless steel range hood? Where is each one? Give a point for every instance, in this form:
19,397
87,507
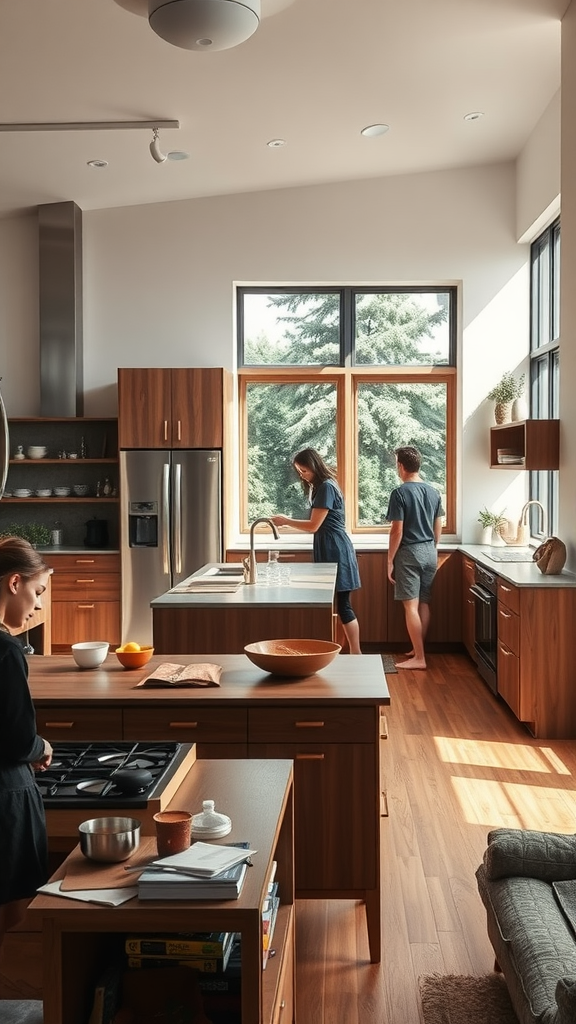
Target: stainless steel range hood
61,346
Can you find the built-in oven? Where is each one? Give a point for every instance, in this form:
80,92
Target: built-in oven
484,591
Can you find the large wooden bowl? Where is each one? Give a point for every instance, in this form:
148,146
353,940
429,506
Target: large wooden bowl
292,657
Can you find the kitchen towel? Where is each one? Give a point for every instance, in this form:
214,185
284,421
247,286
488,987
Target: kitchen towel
172,675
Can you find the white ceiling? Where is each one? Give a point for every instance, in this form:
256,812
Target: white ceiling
314,74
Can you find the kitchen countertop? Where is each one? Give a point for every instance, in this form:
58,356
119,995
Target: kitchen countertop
311,584
521,574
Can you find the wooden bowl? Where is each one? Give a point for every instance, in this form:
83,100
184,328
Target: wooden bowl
134,659
292,657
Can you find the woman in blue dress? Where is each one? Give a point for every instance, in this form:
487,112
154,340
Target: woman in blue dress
331,542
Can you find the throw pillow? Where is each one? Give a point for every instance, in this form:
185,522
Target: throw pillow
548,856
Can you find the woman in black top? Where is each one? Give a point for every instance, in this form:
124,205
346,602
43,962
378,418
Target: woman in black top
23,842
331,542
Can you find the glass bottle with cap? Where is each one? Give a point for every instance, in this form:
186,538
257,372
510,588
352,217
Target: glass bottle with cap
210,824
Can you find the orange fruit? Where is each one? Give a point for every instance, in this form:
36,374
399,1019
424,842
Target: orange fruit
131,646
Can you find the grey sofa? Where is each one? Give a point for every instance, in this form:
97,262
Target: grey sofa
527,882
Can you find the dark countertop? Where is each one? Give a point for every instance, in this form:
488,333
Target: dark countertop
311,585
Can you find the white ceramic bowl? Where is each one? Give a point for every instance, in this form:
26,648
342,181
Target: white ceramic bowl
45,492
36,452
22,492
61,492
90,654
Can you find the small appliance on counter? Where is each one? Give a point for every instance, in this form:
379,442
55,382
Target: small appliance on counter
96,533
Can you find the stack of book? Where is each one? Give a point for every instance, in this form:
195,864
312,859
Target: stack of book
207,952
203,872
269,912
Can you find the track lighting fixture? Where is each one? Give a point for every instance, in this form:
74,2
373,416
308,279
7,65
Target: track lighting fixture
155,150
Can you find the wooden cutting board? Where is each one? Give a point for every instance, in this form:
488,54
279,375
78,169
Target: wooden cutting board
82,873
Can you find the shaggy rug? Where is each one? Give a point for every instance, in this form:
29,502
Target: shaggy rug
459,999
388,663
21,1011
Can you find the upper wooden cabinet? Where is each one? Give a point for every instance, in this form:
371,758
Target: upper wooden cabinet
171,408
526,444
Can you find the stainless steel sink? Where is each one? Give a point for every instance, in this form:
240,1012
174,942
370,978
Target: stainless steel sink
223,570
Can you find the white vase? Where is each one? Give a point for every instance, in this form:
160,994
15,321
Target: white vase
486,535
519,409
497,541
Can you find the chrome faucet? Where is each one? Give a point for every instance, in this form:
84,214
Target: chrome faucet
524,514
251,567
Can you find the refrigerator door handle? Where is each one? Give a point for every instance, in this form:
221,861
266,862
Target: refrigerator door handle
4,446
177,518
166,518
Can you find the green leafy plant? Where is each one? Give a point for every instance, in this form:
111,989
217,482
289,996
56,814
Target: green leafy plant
494,519
508,388
35,533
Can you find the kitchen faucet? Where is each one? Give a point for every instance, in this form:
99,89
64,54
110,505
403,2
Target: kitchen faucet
252,556
524,515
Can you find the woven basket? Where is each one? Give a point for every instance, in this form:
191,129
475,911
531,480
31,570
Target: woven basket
550,556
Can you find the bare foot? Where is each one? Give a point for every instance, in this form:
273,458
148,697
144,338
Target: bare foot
412,663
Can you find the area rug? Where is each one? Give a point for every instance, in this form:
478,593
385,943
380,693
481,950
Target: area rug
21,1011
460,999
388,663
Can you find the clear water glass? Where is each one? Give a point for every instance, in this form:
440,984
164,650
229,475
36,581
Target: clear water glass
273,568
284,575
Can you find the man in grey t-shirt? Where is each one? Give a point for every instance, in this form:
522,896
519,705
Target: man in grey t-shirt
415,512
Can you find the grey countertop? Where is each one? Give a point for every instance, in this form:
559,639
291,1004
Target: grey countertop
311,585
521,574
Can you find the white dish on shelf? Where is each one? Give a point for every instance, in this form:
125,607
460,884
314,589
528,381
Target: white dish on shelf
62,492
36,452
22,492
44,492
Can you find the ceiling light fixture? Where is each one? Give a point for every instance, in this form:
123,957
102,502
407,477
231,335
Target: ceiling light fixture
276,143
155,150
97,163
474,115
204,24
371,131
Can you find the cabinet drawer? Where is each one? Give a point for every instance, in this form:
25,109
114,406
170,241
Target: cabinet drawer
311,725
509,628
73,723
84,563
509,678
197,724
509,595
82,585
468,571
74,622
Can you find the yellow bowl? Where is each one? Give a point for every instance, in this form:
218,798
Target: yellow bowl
292,657
134,659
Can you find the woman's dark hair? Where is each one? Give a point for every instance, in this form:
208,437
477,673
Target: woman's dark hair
312,460
18,556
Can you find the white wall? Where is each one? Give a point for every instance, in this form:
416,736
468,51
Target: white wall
158,284
538,175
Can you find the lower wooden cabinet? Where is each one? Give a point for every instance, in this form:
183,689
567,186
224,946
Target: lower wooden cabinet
468,606
370,602
79,723
85,599
445,607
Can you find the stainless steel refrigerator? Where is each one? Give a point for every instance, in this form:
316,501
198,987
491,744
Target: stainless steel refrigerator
170,525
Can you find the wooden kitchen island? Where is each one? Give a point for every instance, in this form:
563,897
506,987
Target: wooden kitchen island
223,623
328,724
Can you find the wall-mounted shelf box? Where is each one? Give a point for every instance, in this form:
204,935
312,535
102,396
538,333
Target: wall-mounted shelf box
537,443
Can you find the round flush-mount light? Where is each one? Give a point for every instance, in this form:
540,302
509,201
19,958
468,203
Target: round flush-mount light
97,163
474,115
276,143
372,131
204,24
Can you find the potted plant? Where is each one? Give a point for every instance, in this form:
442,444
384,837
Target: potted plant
35,533
492,523
503,395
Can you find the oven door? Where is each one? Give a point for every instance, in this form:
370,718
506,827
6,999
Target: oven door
485,633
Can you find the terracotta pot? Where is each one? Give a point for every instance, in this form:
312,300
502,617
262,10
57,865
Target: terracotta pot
503,412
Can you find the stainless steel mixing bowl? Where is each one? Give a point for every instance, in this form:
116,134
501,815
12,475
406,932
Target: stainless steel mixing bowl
109,839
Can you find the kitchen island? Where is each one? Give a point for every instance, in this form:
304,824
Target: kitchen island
328,723
186,621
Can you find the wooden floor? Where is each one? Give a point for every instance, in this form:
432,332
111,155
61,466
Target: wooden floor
455,765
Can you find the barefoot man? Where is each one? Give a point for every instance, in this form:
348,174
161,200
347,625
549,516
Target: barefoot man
415,512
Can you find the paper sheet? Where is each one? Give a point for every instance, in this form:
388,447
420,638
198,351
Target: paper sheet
105,897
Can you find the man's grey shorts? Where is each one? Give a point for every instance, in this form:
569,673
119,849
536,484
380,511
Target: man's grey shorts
414,570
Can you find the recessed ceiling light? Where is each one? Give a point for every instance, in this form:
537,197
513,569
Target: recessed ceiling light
473,115
178,154
372,130
97,163
276,143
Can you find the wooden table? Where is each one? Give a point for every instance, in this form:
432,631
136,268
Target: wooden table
258,797
329,724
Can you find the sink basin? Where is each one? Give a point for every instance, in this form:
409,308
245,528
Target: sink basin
223,572
232,570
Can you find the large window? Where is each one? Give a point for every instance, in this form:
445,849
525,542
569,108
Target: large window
353,372
545,363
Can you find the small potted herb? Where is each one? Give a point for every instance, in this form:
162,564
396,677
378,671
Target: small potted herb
492,523
504,394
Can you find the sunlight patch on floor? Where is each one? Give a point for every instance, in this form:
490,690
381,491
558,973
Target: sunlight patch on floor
497,804
491,754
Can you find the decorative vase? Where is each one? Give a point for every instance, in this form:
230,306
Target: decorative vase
519,409
497,540
486,535
503,412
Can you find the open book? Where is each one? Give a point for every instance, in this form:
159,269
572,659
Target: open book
170,674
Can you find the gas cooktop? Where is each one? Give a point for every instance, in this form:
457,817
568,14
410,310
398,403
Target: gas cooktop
118,774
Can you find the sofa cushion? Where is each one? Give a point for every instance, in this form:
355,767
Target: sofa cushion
566,999
548,856
565,893
539,942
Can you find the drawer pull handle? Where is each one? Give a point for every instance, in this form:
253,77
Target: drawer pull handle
383,727
507,654
505,615
283,1004
183,725
309,757
507,589
85,606
59,725
85,581
309,725
85,561
165,430
179,422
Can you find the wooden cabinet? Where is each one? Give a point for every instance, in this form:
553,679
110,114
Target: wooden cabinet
85,599
468,606
78,937
171,408
73,723
217,732
445,607
535,444
508,650
370,602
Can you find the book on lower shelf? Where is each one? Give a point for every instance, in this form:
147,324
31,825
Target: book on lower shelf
269,913
197,961
178,944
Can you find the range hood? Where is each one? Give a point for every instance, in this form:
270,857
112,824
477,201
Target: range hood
61,347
